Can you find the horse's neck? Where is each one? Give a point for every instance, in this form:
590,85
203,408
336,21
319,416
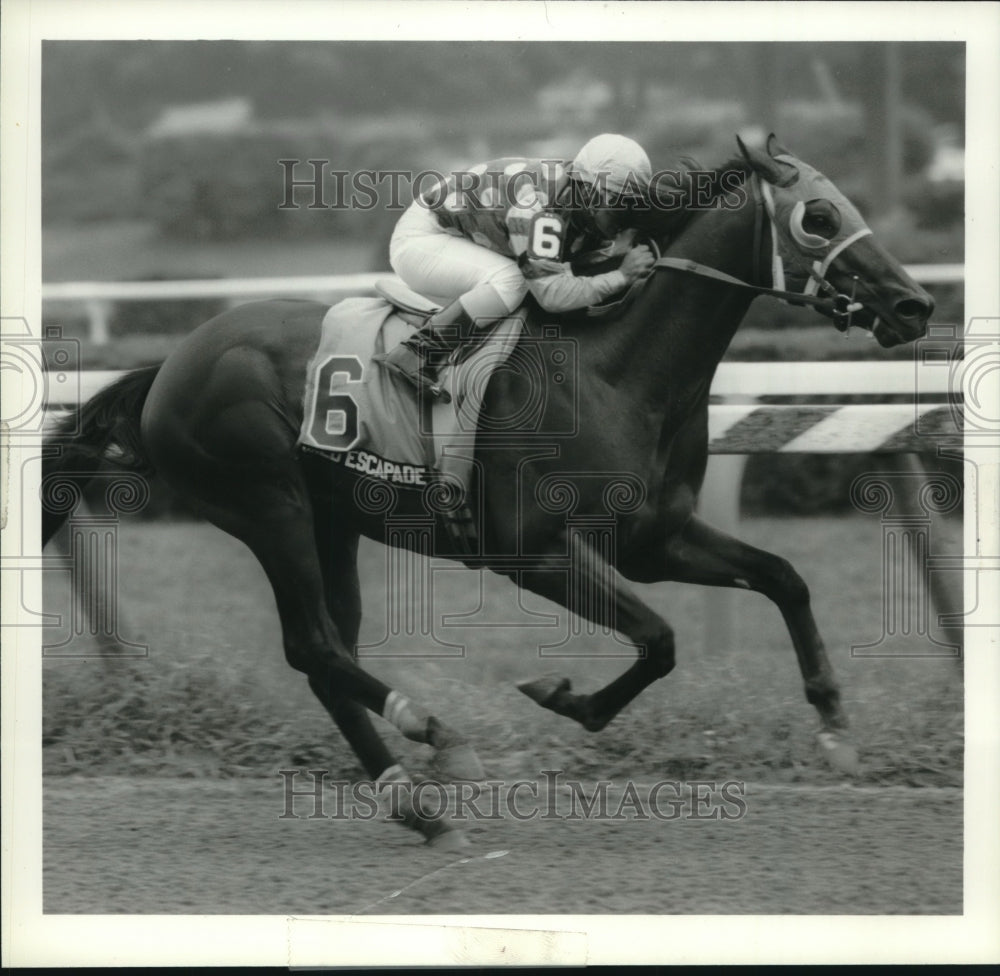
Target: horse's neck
673,337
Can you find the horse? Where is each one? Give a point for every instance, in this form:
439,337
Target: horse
218,421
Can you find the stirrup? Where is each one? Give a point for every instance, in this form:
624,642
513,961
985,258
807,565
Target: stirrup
420,356
418,375
408,352
437,391
427,380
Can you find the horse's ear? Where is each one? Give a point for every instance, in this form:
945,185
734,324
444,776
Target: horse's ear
773,170
775,148
744,152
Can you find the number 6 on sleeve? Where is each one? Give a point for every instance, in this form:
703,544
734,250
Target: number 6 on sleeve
545,237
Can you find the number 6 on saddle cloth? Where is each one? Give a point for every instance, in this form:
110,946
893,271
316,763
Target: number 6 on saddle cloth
374,425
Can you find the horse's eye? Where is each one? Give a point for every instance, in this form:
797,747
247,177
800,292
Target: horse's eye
821,218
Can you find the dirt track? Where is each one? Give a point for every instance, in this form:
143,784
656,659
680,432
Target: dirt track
164,846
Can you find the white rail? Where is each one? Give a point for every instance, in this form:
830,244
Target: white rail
99,297
732,380
749,427
117,291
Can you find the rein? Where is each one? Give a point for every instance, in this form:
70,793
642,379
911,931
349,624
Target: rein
839,306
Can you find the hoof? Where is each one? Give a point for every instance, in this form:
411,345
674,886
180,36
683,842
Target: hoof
459,762
592,724
439,393
839,753
450,840
544,690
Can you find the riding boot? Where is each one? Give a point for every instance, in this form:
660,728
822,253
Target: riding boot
420,356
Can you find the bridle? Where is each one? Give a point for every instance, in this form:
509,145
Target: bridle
837,305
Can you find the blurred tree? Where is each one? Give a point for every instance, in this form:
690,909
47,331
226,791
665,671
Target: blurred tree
764,77
133,80
827,101
883,125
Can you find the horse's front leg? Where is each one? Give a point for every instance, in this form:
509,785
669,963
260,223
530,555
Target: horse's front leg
593,589
700,553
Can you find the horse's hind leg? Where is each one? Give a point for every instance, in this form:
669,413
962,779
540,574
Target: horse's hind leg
238,468
703,554
338,558
338,552
219,440
275,521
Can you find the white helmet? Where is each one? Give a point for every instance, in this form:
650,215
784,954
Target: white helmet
613,161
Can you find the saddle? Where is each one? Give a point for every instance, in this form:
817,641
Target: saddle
377,428
409,305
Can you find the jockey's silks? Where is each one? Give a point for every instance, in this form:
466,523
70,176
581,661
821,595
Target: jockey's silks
520,208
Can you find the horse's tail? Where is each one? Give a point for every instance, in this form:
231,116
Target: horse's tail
104,429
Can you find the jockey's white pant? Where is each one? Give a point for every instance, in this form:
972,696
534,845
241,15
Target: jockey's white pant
445,267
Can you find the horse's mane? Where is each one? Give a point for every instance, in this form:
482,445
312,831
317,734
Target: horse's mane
686,192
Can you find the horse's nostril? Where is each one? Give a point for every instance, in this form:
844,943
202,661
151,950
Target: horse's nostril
913,308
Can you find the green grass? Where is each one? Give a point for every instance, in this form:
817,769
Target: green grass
215,697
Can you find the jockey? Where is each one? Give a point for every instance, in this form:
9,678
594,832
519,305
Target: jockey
481,240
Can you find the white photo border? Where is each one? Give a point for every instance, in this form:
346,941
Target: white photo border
33,939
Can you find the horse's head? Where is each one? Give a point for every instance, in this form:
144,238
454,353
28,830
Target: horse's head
821,242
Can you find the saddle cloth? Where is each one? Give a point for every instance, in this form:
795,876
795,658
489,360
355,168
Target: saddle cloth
364,417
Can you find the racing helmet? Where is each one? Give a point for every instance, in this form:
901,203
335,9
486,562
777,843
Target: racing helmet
615,162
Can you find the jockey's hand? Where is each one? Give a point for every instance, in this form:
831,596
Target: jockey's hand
637,262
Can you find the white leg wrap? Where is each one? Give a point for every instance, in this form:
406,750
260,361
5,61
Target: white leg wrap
400,712
394,705
394,774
